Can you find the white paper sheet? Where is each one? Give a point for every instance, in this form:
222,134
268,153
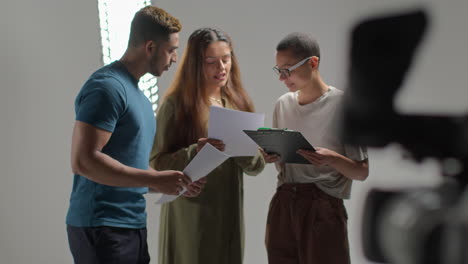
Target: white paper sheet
202,164
227,125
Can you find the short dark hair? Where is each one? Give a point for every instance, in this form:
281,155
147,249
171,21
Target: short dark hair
152,23
302,45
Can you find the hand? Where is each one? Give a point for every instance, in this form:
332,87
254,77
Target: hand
270,158
320,157
219,144
170,182
195,188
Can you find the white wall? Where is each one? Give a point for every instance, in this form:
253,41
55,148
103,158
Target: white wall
50,47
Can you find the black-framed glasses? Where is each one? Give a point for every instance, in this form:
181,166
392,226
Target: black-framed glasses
287,72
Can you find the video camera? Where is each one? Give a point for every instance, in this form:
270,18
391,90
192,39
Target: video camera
413,225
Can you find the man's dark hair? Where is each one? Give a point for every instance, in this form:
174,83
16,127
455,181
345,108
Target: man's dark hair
152,23
300,44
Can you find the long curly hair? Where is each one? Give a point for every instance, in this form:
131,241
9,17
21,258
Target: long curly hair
188,89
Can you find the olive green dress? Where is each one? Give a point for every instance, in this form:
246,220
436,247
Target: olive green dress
208,229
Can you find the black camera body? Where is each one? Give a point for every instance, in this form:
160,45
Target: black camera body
414,225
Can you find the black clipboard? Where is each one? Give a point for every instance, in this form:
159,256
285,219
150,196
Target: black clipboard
282,142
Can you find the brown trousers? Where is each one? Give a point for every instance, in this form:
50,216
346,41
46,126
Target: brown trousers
306,226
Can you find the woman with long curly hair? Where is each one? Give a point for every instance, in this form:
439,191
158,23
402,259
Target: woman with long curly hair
208,228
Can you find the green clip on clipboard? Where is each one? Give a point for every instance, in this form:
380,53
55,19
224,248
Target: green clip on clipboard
282,142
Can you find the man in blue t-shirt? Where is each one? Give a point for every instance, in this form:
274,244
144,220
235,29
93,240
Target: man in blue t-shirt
111,144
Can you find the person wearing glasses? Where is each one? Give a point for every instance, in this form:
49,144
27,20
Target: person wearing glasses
307,222
208,229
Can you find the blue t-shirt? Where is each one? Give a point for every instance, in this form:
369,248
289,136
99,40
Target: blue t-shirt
111,100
